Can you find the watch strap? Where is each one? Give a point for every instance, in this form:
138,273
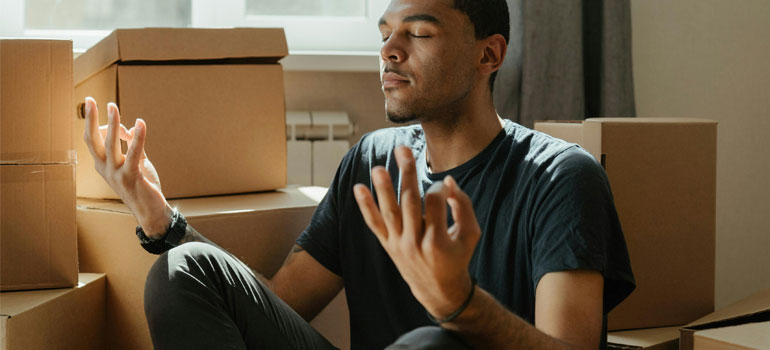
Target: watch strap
169,240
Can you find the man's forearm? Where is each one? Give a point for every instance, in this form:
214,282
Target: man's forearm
486,324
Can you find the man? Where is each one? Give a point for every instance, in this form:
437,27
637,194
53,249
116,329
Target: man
530,254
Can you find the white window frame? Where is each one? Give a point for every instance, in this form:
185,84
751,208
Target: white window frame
315,43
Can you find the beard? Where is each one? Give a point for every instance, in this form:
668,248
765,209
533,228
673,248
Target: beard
400,114
400,118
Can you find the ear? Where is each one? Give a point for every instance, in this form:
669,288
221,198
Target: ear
493,54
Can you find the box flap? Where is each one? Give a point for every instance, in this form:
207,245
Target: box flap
643,338
181,44
755,304
747,336
292,197
755,308
15,303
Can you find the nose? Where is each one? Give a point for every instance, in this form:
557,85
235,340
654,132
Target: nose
393,49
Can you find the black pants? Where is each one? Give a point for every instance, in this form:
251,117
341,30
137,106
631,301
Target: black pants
199,297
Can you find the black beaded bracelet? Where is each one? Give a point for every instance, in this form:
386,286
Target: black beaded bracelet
454,315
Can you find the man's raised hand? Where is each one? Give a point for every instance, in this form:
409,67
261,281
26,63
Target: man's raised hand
131,175
432,259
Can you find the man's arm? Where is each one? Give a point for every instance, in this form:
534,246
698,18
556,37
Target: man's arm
433,260
305,284
568,315
302,282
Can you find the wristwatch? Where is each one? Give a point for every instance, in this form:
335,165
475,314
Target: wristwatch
170,239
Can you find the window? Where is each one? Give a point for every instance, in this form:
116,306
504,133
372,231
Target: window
313,27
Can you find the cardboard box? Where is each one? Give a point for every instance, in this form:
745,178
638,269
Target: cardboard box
38,238
665,338
747,336
333,322
662,172
755,308
35,101
71,318
260,229
213,100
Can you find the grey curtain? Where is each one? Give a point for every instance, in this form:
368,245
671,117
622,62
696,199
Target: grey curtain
567,59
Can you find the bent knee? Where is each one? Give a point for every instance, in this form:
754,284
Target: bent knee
172,270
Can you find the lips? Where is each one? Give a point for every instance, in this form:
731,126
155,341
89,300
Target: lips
390,80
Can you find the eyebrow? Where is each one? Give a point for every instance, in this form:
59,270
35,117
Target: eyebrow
413,18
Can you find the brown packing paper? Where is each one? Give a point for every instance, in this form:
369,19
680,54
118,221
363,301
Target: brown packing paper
38,243
35,101
259,228
214,126
53,319
663,177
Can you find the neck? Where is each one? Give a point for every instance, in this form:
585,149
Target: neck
474,125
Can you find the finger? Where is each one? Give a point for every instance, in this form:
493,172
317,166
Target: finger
465,226
91,135
389,209
132,132
370,212
136,147
124,133
112,141
435,212
411,207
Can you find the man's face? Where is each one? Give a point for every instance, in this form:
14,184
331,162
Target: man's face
427,59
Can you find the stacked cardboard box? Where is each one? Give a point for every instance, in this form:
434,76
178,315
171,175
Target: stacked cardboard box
38,244
214,106
662,172
65,318
258,228
213,101
38,241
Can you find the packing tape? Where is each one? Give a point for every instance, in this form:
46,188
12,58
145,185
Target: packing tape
22,158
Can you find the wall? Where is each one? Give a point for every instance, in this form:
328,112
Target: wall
711,59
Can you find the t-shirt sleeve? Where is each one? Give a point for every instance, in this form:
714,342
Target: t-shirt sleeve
321,237
575,225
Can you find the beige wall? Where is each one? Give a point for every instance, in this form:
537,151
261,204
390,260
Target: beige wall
711,59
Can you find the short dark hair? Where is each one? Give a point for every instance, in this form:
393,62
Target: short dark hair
489,17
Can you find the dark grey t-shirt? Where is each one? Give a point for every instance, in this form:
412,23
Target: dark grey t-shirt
543,205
